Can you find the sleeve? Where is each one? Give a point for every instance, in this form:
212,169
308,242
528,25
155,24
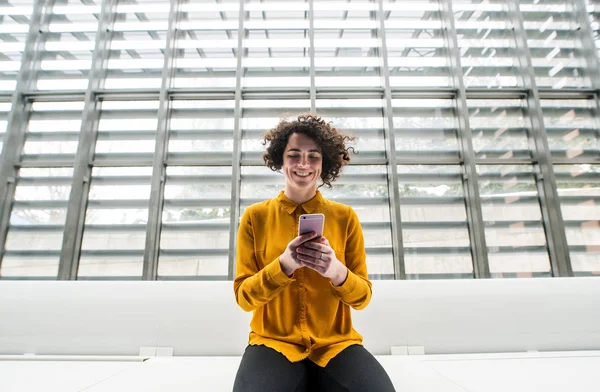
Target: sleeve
253,287
356,291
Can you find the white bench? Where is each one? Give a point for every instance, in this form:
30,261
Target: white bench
115,320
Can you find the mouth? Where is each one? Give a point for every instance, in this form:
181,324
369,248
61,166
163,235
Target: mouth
303,174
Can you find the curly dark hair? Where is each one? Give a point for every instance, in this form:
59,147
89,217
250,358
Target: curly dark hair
328,138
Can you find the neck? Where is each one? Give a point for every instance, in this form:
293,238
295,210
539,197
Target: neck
299,196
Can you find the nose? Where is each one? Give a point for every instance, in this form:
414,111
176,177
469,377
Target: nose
304,160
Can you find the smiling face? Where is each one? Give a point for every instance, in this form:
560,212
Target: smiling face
302,164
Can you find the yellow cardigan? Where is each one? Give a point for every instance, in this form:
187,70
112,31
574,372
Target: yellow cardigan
304,316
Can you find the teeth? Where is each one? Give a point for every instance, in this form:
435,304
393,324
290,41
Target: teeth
302,174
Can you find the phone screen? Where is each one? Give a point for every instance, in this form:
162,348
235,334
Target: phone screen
311,222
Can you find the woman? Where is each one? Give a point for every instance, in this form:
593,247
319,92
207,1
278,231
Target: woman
301,287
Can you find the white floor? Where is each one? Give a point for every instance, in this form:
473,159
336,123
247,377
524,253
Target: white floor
515,372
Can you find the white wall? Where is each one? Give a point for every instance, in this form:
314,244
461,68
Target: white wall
202,318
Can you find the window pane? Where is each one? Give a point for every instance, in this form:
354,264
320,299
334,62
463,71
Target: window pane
202,131
206,44
195,223
553,40
127,132
579,193
593,9
53,132
4,112
37,222
512,219
346,45
572,128
137,47
68,46
276,45
486,43
15,26
115,222
425,129
418,55
499,128
434,228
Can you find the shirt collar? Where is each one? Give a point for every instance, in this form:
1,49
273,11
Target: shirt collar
290,206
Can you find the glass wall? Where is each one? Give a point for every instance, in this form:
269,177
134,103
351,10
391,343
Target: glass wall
131,132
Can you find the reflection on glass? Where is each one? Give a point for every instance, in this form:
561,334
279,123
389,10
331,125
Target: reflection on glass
512,219
486,44
572,128
553,41
499,129
594,17
579,193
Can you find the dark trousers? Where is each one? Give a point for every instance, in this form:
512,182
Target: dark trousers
353,370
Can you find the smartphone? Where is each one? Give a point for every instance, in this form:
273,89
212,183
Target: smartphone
311,222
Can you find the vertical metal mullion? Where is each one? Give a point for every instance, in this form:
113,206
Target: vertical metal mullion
311,52
390,146
19,114
157,184
587,40
234,213
82,170
545,180
470,179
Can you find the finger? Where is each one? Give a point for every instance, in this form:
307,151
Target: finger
316,267
315,246
303,250
309,259
305,237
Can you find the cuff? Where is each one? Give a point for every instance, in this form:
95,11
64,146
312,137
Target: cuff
346,287
275,273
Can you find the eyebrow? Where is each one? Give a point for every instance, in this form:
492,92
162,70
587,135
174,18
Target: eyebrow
297,150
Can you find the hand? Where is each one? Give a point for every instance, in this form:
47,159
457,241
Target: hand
319,256
289,259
